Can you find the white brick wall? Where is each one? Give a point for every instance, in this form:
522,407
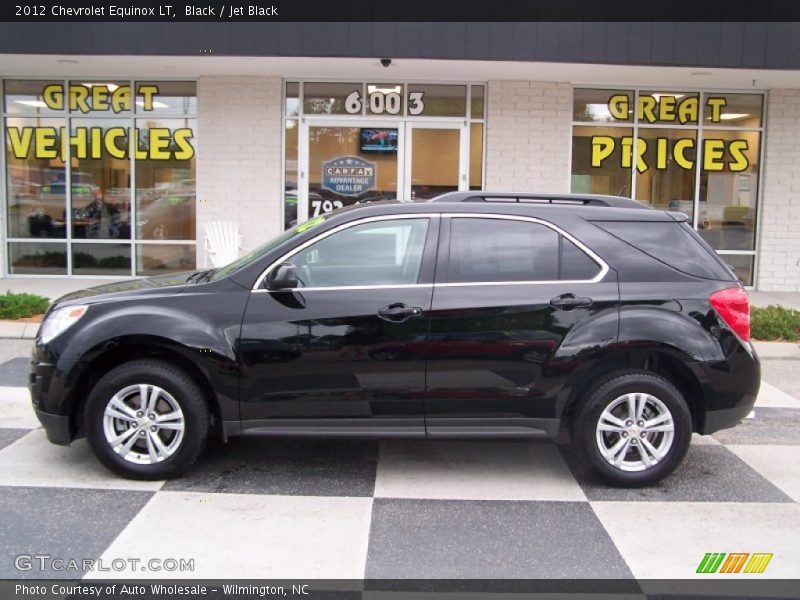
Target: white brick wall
528,136
239,158
779,262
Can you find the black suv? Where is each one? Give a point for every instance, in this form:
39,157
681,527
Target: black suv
474,314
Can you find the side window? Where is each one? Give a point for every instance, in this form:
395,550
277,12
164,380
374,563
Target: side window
575,263
501,250
376,253
485,250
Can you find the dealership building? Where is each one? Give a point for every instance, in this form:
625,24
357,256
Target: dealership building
124,140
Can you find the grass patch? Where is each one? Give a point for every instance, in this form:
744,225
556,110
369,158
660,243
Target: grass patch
19,306
775,323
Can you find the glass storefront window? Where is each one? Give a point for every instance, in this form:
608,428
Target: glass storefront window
161,259
667,108
601,160
329,98
292,101
37,258
101,259
733,110
476,156
87,96
36,178
101,179
704,164
477,94
290,191
166,97
165,179
729,189
666,170
602,106
32,97
437,100
743,266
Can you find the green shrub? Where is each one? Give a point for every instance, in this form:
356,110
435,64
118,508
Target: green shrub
775,323
19,306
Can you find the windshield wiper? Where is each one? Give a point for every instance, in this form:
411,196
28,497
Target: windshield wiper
200,276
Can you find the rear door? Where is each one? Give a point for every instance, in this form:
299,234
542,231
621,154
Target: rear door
517,303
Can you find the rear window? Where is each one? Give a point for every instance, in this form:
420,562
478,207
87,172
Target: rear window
671,243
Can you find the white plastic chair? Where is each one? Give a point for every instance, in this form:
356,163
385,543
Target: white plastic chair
222,243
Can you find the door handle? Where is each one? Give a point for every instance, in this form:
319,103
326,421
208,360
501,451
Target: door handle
569,301
399,312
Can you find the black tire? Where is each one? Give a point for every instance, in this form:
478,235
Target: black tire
600,396
180,388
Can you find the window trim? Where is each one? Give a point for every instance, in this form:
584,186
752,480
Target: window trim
604,268
258,285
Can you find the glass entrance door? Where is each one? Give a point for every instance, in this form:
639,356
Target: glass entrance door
348,164
435,159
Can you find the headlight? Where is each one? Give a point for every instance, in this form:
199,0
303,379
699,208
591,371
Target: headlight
58,321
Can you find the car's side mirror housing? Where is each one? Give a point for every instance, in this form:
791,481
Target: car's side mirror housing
283,276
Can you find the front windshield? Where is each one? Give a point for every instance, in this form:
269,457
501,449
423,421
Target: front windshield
264,249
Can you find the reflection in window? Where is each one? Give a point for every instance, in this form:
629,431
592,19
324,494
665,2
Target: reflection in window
36,178
382,253
101,259
729,189
26,96
501,250
602,106
166,98
161,259
742,265
101,180
329,98
601,160
165,179
290,190
437,100
666,177
37,258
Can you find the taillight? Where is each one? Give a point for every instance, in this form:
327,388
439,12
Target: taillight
734,308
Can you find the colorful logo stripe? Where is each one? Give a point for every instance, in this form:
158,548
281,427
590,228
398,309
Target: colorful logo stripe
716,562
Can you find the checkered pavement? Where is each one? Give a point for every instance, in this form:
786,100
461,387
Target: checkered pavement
287,508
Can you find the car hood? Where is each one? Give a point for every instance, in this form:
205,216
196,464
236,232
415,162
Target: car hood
173,283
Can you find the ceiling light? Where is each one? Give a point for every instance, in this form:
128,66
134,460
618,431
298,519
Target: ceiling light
154,104
111,86
732,116
659,96
34,103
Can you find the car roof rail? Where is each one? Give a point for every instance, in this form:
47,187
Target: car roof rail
561,199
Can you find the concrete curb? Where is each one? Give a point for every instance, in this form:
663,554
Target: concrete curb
18,331
777,349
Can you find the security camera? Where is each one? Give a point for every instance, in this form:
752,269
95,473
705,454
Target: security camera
386,62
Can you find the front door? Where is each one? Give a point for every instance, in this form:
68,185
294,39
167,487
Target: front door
339,351
435,159
347,162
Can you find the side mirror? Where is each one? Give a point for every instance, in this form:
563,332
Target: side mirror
283,276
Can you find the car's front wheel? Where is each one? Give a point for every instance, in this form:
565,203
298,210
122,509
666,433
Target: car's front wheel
146,419
634,428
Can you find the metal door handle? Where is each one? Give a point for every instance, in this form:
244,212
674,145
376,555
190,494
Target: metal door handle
570,301
399,312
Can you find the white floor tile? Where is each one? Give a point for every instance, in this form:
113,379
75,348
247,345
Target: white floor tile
667,540
33,461
490,470
250,536
779,464
16,409
771,397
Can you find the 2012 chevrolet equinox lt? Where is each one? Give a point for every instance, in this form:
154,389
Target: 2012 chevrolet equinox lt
472,315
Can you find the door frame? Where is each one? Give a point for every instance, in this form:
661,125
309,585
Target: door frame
404,156
463,150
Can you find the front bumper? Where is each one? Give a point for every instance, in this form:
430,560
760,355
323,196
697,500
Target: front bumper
57,427
44,387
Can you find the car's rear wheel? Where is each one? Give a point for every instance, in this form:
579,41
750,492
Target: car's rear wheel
634,428
146,420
